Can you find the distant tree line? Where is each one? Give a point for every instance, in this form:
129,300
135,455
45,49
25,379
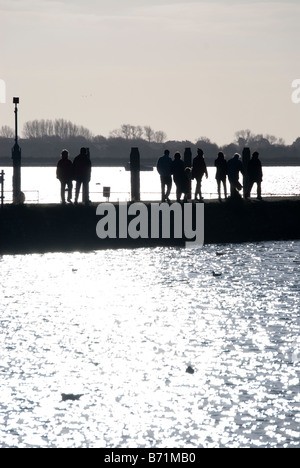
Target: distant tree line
43,140
132,132
65,129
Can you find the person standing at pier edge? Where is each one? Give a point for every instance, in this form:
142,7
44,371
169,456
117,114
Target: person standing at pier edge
221,166
255,174
164,168
178,175
198,171
234,167
64,173
82,174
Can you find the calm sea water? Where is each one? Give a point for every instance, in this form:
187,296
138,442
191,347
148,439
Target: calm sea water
121,327
40,184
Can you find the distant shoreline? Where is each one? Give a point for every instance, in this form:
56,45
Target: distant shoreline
119,164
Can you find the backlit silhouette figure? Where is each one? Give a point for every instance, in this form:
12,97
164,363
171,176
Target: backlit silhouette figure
198,171
221,174
82,174
164,168
234,167
255,174
64,173
179,175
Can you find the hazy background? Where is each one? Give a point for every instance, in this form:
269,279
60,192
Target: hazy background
190,69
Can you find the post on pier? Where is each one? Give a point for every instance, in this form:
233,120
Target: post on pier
246,155
135,167
187,157
2,188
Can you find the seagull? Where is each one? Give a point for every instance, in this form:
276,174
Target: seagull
70,396
216,274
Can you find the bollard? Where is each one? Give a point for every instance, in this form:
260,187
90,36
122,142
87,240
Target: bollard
135,174
2,188
246,158
188,157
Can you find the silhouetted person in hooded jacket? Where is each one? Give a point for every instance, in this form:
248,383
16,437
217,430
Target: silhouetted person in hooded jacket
255,174
64,173
82,174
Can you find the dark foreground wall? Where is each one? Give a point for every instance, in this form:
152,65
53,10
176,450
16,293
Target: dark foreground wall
56,228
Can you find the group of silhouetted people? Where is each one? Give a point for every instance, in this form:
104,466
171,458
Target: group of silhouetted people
182,175
231,169
79,171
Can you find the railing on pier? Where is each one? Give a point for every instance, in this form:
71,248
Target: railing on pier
31,196
156,196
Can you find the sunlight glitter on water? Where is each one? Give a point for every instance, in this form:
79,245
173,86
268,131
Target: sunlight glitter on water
121,328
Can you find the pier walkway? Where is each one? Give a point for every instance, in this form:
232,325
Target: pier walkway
65,228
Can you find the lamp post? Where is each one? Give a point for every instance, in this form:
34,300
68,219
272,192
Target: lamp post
16,157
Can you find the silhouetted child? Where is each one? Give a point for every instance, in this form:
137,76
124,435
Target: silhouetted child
64,173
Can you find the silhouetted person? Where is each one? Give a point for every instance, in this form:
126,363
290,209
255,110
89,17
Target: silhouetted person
179,175
198,171
221,174
234,167
164,168
64,173
82,174
255,174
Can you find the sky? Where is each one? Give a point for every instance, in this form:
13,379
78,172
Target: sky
191,69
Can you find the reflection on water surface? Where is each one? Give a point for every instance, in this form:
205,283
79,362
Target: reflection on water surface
121,327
